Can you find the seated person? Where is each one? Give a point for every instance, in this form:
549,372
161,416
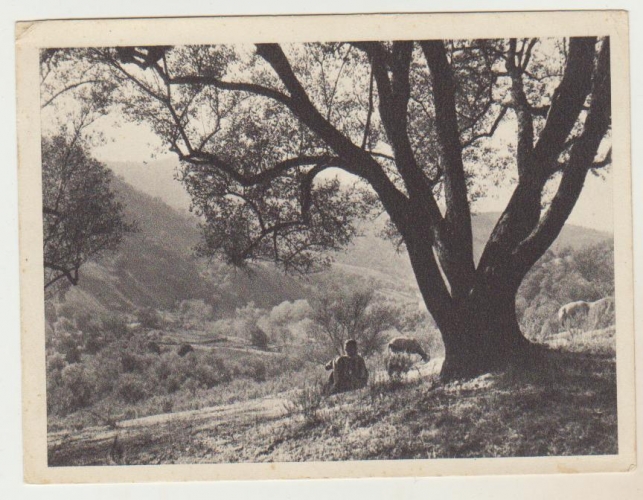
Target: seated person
348,372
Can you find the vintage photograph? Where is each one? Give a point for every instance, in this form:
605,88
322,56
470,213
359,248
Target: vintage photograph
358,249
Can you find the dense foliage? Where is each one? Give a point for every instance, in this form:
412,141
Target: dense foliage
82,217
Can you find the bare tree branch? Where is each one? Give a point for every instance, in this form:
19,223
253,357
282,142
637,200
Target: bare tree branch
492,130
567,102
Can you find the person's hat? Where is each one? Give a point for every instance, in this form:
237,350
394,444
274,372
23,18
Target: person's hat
349,342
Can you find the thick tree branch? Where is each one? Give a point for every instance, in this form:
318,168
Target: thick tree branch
369,113
524,63
581,160
604,162
522,109
536,164
394,94
210,159
456,242
567,102
251,88
355,160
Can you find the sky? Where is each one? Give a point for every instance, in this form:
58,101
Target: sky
133,143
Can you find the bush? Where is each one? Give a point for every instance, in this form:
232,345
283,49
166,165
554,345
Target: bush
115,326
194,313
210,371
108,368
398,365
55,362
133,362
256,370
258,337
78,387
185,349
307,401
94,342
149,317
131,388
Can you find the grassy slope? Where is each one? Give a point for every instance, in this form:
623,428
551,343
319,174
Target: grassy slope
566,407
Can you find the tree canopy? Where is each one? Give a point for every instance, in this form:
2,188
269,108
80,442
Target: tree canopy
81,216
420,126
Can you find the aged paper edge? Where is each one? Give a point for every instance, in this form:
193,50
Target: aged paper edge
32,36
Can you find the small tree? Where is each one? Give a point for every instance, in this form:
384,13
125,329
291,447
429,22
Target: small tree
339,315
284,317
194,313
258,337
81,216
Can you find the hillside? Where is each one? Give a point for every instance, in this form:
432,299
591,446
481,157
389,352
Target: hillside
376,257
566,407
156,266
155,179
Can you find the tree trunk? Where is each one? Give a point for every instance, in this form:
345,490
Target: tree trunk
483,336
479,328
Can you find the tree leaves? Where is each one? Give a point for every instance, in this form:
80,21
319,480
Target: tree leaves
81,216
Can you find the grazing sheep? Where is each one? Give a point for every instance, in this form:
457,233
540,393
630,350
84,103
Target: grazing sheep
573,310
408,345
184,349
598,314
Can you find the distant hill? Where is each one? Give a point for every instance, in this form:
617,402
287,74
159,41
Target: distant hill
371,255
156,178
156,266
571,236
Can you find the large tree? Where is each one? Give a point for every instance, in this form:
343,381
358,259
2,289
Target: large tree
420,124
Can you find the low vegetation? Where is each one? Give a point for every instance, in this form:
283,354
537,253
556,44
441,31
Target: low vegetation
261,372
566,405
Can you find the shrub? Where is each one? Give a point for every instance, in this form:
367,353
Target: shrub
115,325
55,362
398,365
107,368
153,347
131,388
307,401
167,405
133,362
256,370
258,337
149,317
78,387
194,313
174,382
210,371
185,349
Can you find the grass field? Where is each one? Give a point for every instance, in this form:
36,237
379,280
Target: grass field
565,407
